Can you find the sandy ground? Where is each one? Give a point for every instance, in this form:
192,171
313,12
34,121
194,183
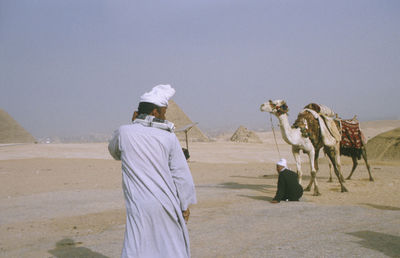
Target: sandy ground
65,200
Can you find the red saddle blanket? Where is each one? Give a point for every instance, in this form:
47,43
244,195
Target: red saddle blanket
352,137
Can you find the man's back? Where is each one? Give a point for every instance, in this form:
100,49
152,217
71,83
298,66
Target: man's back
158,186
145,155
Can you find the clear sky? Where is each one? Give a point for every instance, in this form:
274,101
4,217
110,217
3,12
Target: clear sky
77,67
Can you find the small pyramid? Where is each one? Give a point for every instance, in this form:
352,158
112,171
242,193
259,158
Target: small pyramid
180,119
242,134
11,131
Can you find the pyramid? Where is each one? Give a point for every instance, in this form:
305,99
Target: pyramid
385,146
242,134
11,131
180,119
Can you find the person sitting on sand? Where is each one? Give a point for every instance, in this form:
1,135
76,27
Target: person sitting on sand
288,184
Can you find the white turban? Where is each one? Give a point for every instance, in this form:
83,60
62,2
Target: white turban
159,95
282,162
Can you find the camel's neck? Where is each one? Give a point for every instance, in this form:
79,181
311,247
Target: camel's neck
289,135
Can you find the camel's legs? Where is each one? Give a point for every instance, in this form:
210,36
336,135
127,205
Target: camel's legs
311,156
314,174
330,171
355,163
338,161
316,156
364,154
330,168
334,156
296,155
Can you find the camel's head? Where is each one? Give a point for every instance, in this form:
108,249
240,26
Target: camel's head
276,107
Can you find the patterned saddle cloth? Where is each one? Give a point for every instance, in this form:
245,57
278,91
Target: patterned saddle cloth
352,138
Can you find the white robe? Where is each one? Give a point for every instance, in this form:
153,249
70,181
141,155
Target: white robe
158,186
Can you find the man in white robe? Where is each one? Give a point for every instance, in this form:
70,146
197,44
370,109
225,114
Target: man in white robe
157,183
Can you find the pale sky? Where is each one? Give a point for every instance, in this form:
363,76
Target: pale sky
70,67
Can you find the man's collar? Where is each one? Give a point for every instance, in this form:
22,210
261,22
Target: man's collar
152,121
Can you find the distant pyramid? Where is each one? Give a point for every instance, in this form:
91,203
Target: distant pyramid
180,119
242,134
11,131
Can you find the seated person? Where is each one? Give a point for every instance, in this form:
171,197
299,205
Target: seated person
288,184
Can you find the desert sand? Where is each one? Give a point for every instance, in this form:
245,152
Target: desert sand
65,200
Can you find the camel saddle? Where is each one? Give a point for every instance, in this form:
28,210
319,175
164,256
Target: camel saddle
329,130
352,138
321,109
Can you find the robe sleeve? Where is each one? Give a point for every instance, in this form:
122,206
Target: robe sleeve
280,192
114,147
181,176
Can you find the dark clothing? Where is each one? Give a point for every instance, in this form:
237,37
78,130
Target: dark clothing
288,186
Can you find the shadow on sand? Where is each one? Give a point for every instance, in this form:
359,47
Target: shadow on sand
256,177
258,198
381,207
234,185
68,248
384,243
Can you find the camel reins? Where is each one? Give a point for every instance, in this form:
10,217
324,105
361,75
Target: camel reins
273,131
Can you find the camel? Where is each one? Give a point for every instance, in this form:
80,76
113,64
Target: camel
348,146
352,141
308,135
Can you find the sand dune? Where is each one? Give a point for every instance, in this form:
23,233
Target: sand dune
373,128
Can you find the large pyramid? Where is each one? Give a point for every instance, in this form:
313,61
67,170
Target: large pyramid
180,119
11,131
385,146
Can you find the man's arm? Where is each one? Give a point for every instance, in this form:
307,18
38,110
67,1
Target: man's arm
182,177
113,146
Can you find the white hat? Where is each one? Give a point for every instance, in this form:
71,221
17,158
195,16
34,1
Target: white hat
282,162
159,95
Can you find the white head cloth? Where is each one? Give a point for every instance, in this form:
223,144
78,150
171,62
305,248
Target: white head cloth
159,95
282,162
